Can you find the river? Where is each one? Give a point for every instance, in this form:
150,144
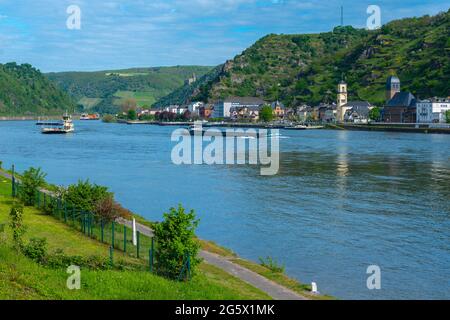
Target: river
342,200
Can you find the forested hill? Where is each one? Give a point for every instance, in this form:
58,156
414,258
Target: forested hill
306,68
24,90
104,91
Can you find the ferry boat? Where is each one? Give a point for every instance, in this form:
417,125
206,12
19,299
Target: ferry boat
60,127
88,117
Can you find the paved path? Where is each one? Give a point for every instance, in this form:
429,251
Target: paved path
271,288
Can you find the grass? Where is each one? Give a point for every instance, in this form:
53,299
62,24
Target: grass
22,278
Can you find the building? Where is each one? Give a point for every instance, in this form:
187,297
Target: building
191,80
194,107
245,113
342,99
206,111
359,112
278,108
222,109
433,110
401,108
393,86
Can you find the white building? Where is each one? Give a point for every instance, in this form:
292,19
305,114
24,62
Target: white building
433,110
194,107
222,109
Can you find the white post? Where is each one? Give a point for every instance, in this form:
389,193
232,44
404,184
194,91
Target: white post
314,288
134,233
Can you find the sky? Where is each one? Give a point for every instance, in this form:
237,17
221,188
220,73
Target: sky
117,34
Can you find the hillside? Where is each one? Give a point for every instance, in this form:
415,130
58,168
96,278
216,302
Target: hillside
22,278
306,68
104,91
24,90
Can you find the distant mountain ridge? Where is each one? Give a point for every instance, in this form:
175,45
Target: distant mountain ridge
103,91
25,91
298,69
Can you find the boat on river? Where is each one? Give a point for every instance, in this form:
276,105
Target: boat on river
60,127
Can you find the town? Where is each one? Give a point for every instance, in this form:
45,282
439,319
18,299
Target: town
401,107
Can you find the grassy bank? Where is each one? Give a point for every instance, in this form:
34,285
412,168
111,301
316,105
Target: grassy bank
22,278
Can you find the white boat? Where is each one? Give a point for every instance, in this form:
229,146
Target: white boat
60,127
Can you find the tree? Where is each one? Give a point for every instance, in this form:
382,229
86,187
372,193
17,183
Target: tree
85,196
32,180
176,239
375,114
128,104
17,226
109,210
266,114
132,115
447,116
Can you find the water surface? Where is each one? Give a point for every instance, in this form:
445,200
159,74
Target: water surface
342,200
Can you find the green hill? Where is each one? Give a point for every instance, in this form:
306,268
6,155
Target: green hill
306,68
103,91
24,90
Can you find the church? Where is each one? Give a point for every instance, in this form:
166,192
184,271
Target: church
351,111
400,106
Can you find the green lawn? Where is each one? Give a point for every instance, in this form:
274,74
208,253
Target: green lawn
21,278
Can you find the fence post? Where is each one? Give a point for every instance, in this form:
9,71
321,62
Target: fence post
111,255
151,254
125,239
112,234
65,212
13,179
103,230
138,244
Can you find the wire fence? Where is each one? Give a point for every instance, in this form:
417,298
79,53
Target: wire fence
118,236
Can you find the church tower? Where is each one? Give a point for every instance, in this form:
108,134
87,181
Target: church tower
393,86
342,100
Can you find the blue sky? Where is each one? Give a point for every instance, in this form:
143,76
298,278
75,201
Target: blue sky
140,33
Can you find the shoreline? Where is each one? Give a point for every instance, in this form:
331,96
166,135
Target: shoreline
277,285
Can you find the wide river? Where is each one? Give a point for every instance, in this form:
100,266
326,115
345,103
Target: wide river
342,201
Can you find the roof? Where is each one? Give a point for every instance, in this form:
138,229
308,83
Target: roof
359,111
402,99
245,100
277,103
358,104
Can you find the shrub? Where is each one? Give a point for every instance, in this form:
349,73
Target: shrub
447,118
17,226
59,260
108,210
84,196
272,265
108,118
266,114
32,180
36,249
176,238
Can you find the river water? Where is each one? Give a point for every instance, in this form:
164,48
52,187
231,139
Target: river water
342,201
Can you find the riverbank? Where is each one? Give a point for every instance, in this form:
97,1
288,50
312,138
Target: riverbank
261,279
405,128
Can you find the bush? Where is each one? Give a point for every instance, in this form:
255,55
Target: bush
447,116
108,210
108,118
176,238
60,260
17,226
85,196
32,180
266,114
272,265
36,249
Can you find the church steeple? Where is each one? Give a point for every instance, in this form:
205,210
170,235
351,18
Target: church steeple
342,99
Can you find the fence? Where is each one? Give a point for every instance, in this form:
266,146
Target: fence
118,236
